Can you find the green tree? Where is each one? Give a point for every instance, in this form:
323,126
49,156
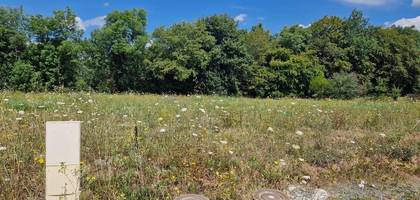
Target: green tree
120,50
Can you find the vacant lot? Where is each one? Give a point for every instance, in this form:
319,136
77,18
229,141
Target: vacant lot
223,147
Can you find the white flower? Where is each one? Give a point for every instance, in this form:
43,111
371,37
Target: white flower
202,110
125,116
231,152
184,110
177,116
210,153
3,148
162,130
307,178
60,103
19,118
223,142
282,162
79,112
382,135
198,97
300,133
90,101
194,134
362,184
293,103
139,122
353,142
301,160
295,146
217,107
21,112
160,119
319,110
6,100
269,129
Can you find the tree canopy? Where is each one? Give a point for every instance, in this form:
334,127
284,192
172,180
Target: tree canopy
334,57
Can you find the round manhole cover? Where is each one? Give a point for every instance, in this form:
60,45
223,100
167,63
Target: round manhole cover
267,194
191,197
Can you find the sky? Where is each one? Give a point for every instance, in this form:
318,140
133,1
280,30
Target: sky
273,14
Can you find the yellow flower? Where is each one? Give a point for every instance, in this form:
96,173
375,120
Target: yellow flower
39,160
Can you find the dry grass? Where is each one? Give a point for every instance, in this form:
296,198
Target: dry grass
223,147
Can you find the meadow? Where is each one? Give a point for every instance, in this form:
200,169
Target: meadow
223,147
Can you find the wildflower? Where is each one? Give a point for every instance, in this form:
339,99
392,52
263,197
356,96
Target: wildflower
162,130
362,184
210,153
194,134
184,110
39,160
300,133
90,101
307,178
6,100
231,152
60,103
3,148
223,142
125,116
319,110
202,110
301,160
19,118
295,146
177,116
282,162
293,103
160,119
79,111
198,97
217,107
21,112
269,129
41,106
382,135
353,142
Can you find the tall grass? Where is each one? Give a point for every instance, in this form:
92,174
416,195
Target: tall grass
223,147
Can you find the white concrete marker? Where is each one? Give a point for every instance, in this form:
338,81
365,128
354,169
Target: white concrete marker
62,160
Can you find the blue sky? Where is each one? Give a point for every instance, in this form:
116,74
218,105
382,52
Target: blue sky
274,14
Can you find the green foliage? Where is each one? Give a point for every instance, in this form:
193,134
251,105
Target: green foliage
319,87
344,86
395,93
24,78
210,56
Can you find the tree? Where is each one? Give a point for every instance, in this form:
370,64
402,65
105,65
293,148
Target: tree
178,55
120,45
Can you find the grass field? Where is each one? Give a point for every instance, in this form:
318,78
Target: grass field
223,147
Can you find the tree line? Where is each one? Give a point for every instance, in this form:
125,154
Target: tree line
334,57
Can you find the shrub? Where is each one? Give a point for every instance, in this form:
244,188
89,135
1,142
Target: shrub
344,86
24,78
319,86
395,93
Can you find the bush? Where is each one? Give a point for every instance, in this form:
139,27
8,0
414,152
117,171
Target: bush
344,86
319,87
395,93
24,78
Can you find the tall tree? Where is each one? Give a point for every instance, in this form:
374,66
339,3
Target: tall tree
120,45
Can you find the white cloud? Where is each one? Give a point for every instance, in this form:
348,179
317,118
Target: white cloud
96,22
241,18
416,3
408,22
369,2
106,4
305,26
